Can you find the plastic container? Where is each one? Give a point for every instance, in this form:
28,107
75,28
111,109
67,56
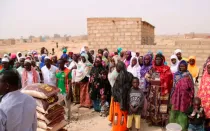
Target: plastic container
173,127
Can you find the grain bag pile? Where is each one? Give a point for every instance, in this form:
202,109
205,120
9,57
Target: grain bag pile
50,114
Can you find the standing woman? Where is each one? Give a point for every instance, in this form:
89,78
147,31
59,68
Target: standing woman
204,93
119,93
95,83
181,96
112,76
144,85
174,64
194,71
160,79
81,76
134,67
205,64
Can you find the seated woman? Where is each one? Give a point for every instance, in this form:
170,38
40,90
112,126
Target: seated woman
160,79
181,96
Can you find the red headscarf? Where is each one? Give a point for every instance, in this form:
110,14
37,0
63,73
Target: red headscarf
166,77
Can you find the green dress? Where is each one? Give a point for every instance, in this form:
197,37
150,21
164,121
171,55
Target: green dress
180,118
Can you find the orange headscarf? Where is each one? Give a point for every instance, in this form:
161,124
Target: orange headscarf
193,69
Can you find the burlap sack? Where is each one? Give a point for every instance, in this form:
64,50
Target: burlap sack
42,91
53,114
45,103
56,121
42,110
41,124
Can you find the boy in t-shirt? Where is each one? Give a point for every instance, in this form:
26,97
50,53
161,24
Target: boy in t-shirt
196,116
136,102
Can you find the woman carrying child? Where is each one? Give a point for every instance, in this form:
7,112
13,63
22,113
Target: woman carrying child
181,96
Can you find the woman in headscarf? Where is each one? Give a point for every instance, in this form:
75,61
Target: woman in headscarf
144,85
174,64
19,54
147,65
141,63
105,58
204,93
194,71
112,76
42,62
119,50
134,67
181,96
81,76
95,83
160,79
204,66
160,52
119,93
127,58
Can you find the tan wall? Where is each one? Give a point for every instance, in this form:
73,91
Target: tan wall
148,35
114,32
200,51
35,40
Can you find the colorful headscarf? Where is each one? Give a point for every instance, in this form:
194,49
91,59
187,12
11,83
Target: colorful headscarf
193,69
119,50
203,91
166,76
145,68
204,66
13,56
127,61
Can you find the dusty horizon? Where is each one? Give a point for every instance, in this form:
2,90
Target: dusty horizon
29,17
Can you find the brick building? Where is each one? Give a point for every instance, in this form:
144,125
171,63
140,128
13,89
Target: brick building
111,33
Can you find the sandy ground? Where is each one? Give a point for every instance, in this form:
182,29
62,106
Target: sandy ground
87,120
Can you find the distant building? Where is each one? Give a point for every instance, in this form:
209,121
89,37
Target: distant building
119,32
197,35
9,42
36,39
57,36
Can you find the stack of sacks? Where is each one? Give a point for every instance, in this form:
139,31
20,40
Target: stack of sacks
49,112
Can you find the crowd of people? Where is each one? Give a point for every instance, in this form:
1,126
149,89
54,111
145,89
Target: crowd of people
122,85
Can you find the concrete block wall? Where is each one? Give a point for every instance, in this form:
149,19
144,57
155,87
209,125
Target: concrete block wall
200,51
114,32
148,35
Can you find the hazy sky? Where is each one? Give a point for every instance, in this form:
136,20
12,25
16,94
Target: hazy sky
46,17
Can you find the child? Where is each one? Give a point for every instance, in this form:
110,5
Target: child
104,106
197,116
136,102
105,86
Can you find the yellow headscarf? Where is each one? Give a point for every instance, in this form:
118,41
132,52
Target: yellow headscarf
193,69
